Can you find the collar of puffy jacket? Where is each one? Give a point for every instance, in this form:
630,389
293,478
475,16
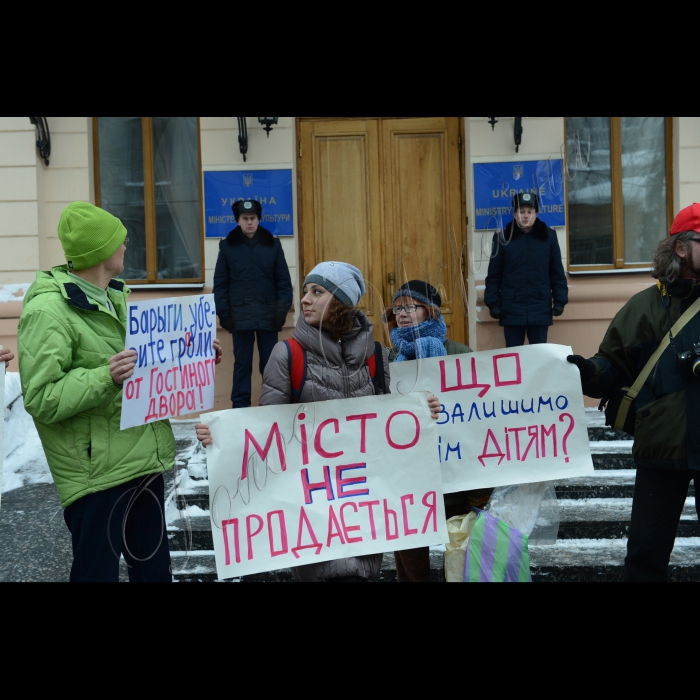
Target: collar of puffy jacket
539,230
353,350
58,280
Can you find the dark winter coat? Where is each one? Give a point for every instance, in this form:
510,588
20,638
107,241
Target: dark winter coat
526,277
252,285
668,406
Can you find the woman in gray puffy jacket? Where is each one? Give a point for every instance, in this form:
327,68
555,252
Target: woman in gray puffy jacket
339,340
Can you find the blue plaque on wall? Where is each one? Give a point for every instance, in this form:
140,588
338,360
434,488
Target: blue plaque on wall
272,188
495,185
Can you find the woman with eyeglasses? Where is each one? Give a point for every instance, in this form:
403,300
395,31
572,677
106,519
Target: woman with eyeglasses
419,332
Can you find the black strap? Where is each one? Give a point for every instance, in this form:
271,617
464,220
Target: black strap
380,380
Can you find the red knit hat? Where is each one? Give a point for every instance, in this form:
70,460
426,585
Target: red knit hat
687,220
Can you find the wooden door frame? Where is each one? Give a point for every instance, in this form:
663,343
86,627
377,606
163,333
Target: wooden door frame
300,185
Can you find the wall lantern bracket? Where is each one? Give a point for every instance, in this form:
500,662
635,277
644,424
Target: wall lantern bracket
518,130
43,138
267,123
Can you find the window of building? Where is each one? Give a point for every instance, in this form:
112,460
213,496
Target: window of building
147,173
620,190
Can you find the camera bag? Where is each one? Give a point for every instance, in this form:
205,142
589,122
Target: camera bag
620,408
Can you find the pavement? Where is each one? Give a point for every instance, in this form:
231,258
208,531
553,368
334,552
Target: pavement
35,545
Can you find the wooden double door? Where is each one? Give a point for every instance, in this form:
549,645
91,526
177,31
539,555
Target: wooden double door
387,195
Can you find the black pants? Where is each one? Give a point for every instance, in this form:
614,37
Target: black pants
659,499
126,520
515,335
243,348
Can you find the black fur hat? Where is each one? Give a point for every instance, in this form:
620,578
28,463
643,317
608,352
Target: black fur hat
249,207
526,200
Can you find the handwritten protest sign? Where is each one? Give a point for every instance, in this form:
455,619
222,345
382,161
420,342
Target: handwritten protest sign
176,368
297,485
2,422
509,417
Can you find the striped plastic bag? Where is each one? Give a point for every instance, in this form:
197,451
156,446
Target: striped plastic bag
497,553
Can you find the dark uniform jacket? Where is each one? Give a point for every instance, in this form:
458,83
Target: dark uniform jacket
252,285
668,407
526,276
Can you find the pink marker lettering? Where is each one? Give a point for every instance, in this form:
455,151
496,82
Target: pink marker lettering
364,418
317,443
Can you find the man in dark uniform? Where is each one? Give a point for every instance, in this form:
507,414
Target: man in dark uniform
526,286
253,292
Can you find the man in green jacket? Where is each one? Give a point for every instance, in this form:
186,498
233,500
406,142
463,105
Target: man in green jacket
667,439
71,340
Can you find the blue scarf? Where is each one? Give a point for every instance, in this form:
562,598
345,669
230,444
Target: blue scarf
420,342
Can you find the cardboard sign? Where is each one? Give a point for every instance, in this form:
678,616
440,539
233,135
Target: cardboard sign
2,422
509,417
297,485
176,368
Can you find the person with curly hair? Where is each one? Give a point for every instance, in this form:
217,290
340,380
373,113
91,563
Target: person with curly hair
418,331
338,340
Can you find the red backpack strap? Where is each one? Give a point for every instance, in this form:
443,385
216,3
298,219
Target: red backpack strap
298,368
372,366
375,364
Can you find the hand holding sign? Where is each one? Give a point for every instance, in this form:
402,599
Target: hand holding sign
123,366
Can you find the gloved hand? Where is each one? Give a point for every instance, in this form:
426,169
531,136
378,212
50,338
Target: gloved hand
586,367
496,313
226,323
557,311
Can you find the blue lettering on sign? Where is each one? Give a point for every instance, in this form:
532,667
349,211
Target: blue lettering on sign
272,188
495,185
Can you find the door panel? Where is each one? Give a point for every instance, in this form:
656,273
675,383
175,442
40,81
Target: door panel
341,197
385,195
422,186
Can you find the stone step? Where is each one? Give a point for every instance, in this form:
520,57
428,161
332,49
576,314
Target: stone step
572,561
610,519
191,533
603,434
603,484
602,561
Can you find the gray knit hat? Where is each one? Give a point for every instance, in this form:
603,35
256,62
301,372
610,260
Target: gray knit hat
343,281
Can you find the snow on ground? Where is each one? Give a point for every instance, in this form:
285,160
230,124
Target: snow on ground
13,292
24,461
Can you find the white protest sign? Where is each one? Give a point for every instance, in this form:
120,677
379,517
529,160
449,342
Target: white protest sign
509,417
176,368
2,422
297,485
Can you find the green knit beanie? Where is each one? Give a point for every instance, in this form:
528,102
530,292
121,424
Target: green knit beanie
89,235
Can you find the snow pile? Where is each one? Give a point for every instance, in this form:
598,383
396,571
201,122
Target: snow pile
24,461
13,292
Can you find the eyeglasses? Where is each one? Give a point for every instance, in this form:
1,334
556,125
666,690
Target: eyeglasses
410,309
694,240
